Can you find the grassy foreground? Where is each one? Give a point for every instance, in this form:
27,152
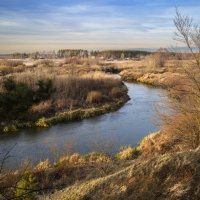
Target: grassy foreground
142,179
152,170
142,173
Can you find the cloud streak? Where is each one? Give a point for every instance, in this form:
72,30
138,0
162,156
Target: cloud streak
85,24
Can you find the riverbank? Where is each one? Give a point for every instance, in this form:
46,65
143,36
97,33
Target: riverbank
141,173
69,116
142,179
162,74
157,79
133,173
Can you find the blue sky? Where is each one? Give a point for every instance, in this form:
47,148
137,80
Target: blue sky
30,25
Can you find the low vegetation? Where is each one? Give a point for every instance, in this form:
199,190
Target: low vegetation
164,177
47,89
29,182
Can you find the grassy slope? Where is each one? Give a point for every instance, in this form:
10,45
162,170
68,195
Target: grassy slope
168,176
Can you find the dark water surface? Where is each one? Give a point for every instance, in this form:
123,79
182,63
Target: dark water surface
109,132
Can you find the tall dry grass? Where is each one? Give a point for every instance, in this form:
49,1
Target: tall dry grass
155,61
79,87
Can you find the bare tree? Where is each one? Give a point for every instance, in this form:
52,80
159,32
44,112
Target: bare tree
188,33
187,90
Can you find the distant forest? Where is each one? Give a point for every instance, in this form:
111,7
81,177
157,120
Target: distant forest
63,53
119,54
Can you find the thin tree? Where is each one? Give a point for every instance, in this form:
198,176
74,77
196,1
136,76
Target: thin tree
188,92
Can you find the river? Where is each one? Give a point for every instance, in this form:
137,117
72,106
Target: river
107,133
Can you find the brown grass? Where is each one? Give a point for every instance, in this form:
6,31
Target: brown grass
94,97
42,107
154,61
77,84
169,176
116,92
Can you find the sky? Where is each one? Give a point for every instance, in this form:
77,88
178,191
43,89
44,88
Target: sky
37,25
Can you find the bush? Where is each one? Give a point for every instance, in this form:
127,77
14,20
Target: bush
47,63
9,129
155,61
16,99
42,107
45,89
116,92
41,123
26,187
94,97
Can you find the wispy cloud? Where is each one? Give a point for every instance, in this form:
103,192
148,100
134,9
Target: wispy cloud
86,24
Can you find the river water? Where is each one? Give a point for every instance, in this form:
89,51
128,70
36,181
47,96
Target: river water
107,133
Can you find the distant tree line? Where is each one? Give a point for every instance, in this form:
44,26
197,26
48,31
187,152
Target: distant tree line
107,54
63,53
119,54
35,55
66,53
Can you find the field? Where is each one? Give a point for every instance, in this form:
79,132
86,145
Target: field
34,90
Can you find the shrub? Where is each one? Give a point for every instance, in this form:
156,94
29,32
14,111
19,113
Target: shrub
26,187
155,61
41,123
94,97
16,99
45,89
116,92
42,107
47,63
9,129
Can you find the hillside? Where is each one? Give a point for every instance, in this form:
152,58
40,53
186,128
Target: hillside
169,176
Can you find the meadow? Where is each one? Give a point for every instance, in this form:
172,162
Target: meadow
43,89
